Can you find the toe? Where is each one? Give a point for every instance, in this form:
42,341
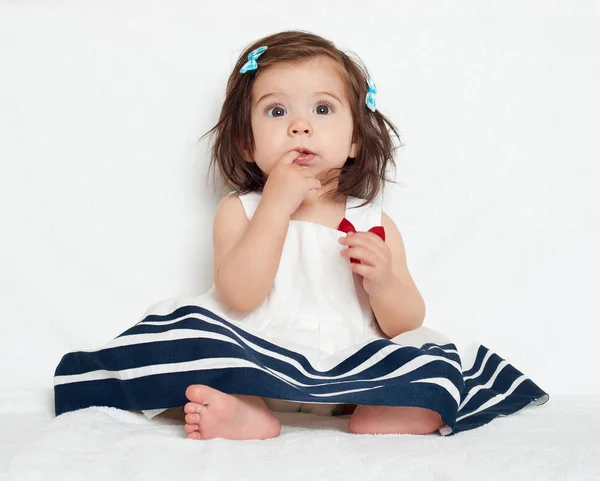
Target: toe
195,392
194,435
193,408
190,428
192,418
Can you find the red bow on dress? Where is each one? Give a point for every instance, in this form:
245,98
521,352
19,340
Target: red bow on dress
346,226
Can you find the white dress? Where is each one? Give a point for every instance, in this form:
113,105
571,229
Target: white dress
313,345
317,305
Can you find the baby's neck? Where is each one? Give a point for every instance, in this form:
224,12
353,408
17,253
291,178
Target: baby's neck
325,196
325,211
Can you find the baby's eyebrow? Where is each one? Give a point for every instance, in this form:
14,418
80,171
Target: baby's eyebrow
331,94
268,95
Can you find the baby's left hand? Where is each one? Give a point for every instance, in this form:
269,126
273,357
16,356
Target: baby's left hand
375,257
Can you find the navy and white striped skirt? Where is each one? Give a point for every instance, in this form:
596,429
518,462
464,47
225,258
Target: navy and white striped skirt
150,366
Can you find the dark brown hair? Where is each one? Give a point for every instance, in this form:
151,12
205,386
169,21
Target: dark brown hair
361,177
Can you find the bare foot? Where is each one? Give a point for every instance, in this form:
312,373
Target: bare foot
394,420
214,414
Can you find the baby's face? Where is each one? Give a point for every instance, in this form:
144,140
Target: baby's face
302,106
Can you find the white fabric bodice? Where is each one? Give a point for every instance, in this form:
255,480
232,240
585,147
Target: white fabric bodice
316,300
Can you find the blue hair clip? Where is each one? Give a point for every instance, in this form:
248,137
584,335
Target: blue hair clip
371,101
251,64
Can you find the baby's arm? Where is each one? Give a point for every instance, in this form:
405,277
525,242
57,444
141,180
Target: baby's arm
247,253
402,307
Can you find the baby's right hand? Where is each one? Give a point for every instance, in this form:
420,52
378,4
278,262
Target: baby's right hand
289,184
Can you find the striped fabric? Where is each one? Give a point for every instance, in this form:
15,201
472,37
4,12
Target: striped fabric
150,366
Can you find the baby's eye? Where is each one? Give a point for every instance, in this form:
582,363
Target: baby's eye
275,110
323,108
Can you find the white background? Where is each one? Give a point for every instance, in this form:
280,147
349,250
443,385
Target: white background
106,206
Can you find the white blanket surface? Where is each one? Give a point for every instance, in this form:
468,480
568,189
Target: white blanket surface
556,441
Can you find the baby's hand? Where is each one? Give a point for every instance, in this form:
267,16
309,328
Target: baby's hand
289,184
375,260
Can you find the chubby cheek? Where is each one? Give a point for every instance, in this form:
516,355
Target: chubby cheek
338,135
338,146
266,147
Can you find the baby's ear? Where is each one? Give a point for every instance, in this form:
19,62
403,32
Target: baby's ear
353,150
245,153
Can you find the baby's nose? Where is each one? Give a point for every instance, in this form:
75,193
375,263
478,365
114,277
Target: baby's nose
300,126
296,131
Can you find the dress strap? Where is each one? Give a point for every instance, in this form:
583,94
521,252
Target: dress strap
250,202
365,217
